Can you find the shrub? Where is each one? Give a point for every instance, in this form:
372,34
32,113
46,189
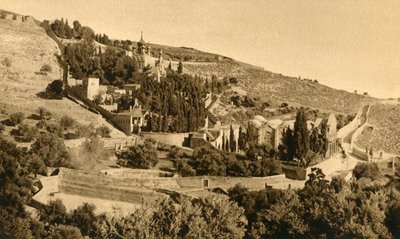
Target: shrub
54,128
53,212
85,130
66,122
55,90
43,113
6,62
45,68
103,131
17,118
139,156
51,150
183,168
27,132
93,149
367,170
36,165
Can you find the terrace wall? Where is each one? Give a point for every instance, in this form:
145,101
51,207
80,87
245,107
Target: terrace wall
360,153
252,183
177,139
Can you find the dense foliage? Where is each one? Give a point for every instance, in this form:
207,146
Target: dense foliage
51,149
77,31
111,66
302,144
139,156
210,217
322,209
176,103
208,160
55,90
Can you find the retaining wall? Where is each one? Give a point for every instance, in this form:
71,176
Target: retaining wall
177,139
252,183
359,130
99,185
347,129
360,153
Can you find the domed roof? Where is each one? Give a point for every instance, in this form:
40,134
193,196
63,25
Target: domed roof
141,42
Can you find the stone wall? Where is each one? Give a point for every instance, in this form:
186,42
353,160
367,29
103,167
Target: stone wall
360,153
100,185
252,183
347,129
177,139
359,130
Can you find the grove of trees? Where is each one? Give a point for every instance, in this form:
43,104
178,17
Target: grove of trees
302,144
208,160
62,29
322,209
176,103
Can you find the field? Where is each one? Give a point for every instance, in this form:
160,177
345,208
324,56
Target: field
385,132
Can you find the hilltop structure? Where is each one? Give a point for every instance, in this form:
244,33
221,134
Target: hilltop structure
142,54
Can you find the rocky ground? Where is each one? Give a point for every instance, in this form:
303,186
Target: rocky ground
385,132
273,87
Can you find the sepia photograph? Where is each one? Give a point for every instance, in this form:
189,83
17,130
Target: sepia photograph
214,119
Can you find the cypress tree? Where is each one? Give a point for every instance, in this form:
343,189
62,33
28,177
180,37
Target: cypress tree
180,68
301,135
232,140
241,139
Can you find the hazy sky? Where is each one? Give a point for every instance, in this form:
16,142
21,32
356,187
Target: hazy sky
352,45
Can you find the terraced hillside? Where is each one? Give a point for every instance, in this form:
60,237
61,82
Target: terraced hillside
28,48
277,87
385,131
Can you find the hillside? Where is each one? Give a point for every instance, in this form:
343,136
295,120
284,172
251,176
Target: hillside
268,86
275,87
28,48
385,132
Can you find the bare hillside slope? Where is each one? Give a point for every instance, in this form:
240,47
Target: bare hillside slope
28,48
279,88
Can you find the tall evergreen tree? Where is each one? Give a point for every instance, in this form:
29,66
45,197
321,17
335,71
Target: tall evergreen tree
252,135
241,139
180,68
232,142
301,135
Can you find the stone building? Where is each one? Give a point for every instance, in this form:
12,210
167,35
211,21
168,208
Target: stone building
142,54
92,86
130,121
